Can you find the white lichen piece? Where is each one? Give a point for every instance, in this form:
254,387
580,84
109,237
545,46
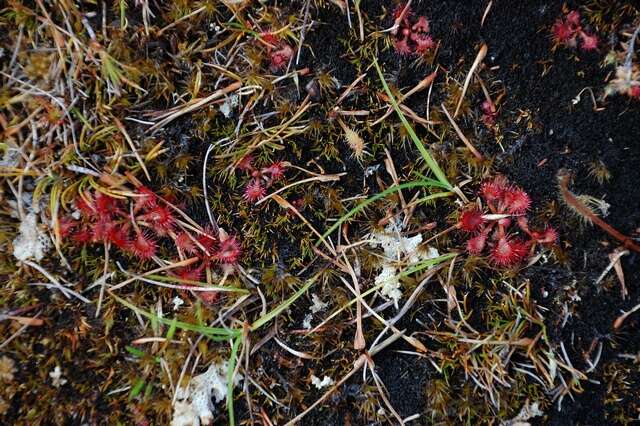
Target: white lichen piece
390,283
526,413
319,384
397,247
31,242
184,414
318,305
429,253
177,302
306,322
56,377
227,107
194,406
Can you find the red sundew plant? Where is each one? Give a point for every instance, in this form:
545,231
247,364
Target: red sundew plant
489,113
412,33
185,242
569,32
229,250
491,229
261,178
143,245
254,191
138,226
279,51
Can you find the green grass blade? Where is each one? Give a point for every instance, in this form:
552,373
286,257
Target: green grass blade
284,305
211,332
172,329
428,263
433,165
137,387
135,351
163,278
435,196
233,359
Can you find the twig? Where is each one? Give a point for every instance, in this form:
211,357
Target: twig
303,31
614,261
359,342
618,322
213,222
193,105
573,201
55,283
177,21
461,135
481,54
320,178
486,13
132,146
287,205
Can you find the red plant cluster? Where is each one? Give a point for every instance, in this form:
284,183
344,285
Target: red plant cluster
261,178
491,229
489,113
568,31
279,51
135,227
412,32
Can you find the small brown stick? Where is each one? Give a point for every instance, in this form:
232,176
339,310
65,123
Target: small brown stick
481,54
364,359
383,391
573,201
359,342
461,135
391,169
618,322
396,23
193,105
14,335
177,21
349,89
614,263
303,31
407,111
617,266
337,264
439,234
410,340
122,130
180,264
360,362
34,322
320,178
426,82
486,13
